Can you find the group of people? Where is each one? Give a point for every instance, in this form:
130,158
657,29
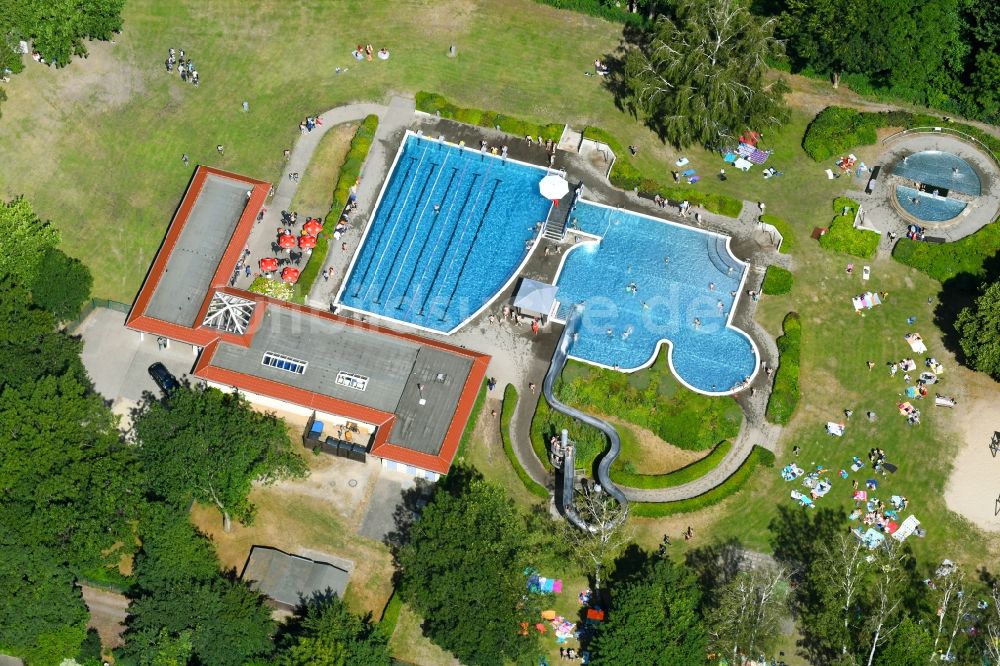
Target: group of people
568,653
185,67
367,52
310,123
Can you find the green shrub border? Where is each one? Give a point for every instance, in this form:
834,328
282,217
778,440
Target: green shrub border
785,229
678,477
390,615
361,143
627,177
777,281
435,104
839,129
966,257
785,394
736,481
506,415
470,426
843,237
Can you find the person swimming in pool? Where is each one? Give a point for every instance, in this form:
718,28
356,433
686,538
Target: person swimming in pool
610,332
697,322
628,332
711,286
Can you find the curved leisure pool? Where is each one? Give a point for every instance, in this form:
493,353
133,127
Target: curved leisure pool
671,267
940,169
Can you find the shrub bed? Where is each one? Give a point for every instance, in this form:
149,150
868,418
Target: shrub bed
785,229
390,615
627,177
349,172
438,105
758,456
785,395
506,414
686,419
548,423
966,257
470,426
699,468
777,281
843,237
273,288
835,130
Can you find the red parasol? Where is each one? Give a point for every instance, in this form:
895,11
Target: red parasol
307,242
290,274
268,264
312,227
286,241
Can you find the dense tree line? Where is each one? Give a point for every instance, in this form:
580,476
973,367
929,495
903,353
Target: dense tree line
55,28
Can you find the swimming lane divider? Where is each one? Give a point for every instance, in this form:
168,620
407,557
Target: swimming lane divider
378,239
465,259
425,245
420,197
447,249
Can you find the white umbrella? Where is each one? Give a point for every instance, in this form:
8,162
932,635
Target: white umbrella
553,187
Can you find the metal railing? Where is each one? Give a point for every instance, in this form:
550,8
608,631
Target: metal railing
92,305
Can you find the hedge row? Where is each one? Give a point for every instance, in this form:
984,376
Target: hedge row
692,472
966,257
835,130
843,237
777,281
785,394
627,177
390,615
350,170
601,9
738,479
785,229
470,426
506,414
438,105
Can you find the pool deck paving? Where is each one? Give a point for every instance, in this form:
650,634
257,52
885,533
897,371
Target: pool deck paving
519,357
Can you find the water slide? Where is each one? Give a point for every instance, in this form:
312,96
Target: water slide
604,467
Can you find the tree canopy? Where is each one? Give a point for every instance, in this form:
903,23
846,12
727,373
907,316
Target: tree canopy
61,284
699,75
463,571
978,327
212,446
24,240
57,28
653,619
324,632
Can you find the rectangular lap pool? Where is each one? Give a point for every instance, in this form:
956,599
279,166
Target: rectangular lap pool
450,230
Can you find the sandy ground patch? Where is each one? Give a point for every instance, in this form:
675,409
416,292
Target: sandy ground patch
655,455
107,614
974,485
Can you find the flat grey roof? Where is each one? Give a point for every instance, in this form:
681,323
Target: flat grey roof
195,257
288,578
394,368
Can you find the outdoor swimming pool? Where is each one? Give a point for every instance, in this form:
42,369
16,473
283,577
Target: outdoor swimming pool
451,228
671,268
940,169
927,207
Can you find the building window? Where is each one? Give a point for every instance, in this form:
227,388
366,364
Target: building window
283,362
351,380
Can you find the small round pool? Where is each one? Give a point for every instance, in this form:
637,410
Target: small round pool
939,169
927,207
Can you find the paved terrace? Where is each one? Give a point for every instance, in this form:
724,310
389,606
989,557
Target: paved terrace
520,358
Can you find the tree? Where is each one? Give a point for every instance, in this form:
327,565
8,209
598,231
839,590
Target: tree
747,613
653,620
24,240
910,646
462,570
227,624
30,347
58,27
978,327
885,610
42,614
61,285
68,481
212,446
325,633
597,546
173,551
700,75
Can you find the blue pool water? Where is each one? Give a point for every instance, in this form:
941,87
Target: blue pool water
940,169
927,207
671,267
436,268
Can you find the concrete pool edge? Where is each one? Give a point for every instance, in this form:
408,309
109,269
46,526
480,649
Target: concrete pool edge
489,302
594,238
